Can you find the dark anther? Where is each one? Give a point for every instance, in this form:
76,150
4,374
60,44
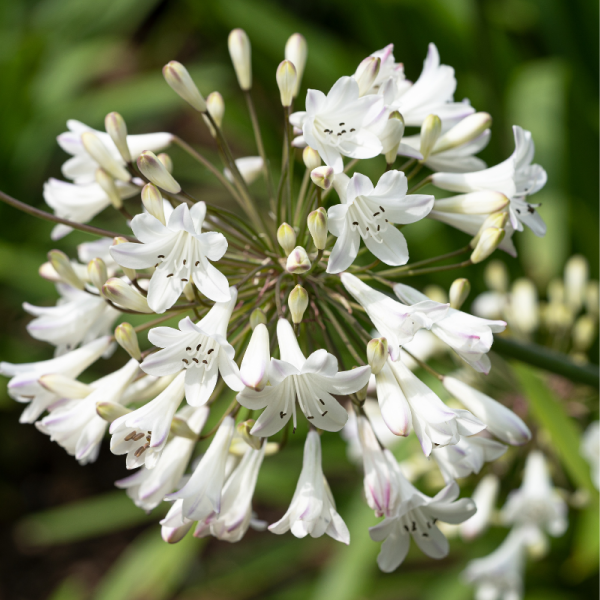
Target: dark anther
343,131
170,275
375,214
211,350
195,360
406,528
414,526
205,362
367,229
282,414
182,279
140,451
131,436
355,223
186,361
339,134
352,130
161,256
310,417
198,347
530,209
321,401
425,534
188,348
137,437
378,227
342,124
184,261
324,413
518,210
196,263
382,209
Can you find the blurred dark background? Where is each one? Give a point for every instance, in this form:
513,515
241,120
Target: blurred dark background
527,62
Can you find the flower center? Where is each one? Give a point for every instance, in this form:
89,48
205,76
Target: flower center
202,354
415,523
369,223
182,257
333,130
135,437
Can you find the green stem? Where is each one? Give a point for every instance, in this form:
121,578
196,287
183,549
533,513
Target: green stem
398,270
419,185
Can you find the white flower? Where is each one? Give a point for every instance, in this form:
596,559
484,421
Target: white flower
395,321
417,516
24,385
77,318
590,450
342,123
254,371
175,526
516,178
142,434
470,337
310,380
200,349
536,502
181,254
76,426
370,213
148,487
99,248
312,509
250,167
484,496
389,69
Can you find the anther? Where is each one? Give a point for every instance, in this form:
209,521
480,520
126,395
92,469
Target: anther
352,130
138,437
196,263
342,124
310,417
382,209
204,361
195,360
375,214
130,436
161,256
183,279
170,275
140,451
211,350
321,401
324,413
184,261
188,348
198,347
282,414
186,361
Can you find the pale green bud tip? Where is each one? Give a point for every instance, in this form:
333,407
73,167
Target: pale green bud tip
97,272
127,338
180,81
243,429
311,158
474,203
166,160
296,51
459,291
361,395
110,411
298,303
286,82
497,220
107,183
216,107
377,353
117,129
240,52
180,428
63,267
464,131
286,237
366,74
153,202
101,154
257,317
489,240
496,276
298,261
317,225
122,294
430,132
156,172
322,177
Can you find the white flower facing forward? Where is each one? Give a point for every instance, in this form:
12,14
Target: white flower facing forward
200,349
312,509
470,337
417,516
148,487
25,387
516,178
341,123
370,213
142,434
76,426
397,322
536,503
310,380
181,254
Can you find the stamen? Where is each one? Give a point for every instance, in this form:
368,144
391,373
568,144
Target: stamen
130,436
211,350
161,256
170,275
198,347
196,263
138,437
186,361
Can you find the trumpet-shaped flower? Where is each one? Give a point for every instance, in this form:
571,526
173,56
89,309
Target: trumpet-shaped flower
181,254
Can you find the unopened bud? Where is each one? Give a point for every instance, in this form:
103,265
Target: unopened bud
166,160
156,172
240,52
110,411
296,51
117,129
489,240
65,387
298,261
392,136
243,429
317,225
436,293
97,272
109,187
497,220
126,337
62,265
496,276
366,74
180,81
257,317
322,177
180,427
361,395
592,298
430,132
216,108
153,202
463,132
311,158
459,290
124,295
129,273
584,333
475,203
524,313
298,303
377,354
188,292
101,154
286,237
286,82
576,278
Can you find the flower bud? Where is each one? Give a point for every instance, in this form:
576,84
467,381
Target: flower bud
298,303
286,82
124,295
592,298
576,277
117,129
436,293
311,158
463,132
216,108
65,387
62,265
180,428
523,311
475,203
295,52
243,429
377,354
496,276
584,333
97,273
497,220
286,237
430,132
366,74
317,225
126,337
100,153
459,290
166,160
156,172
361,395
188,292
153,202
257,317
107,183
240,52
110,411
129,273
254,370
180,81
298,261
489,240
392,136
322,177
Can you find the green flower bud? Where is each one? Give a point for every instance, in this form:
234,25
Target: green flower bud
156,172
180,81
459,290
240,52
430,132
97,272
166,160
296,51
286,82
130,273
153,202
126,337
317,225
100,153
180,428
298,261
465,131
322,177
311,158
298,303
257,317
117,129
62,265
110,411
489,240
377,354
109,187
286,237
243,429
124,295
366,74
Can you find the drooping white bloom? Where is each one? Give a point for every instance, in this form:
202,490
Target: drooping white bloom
142,434
312,509
370,213
342,123
536,502
24,385
417,516
250,167
470,337
77,318
148,487
181,253
484,496
201,349
590,450
310,380
516,178
76,426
